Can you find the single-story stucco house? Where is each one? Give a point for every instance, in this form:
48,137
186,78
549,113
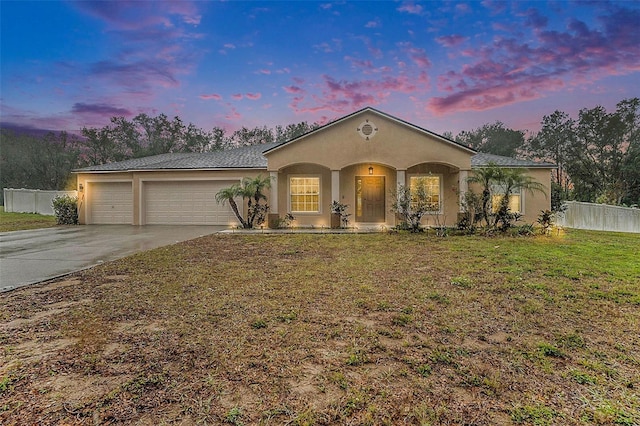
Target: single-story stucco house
357,160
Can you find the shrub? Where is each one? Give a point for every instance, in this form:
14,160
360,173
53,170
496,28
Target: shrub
545,219
411,206
284,222
65,209
341,210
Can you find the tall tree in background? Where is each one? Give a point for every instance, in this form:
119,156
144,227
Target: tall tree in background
493,139
290,131
255,136
34,162
144,135
603,164
628,112
553,143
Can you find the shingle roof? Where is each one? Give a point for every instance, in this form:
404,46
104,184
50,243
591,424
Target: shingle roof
483,159
251,157
246,157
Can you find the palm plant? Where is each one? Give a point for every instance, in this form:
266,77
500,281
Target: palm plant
486,177
229,195
249,189
252,189
514,180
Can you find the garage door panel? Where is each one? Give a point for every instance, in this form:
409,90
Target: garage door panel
186,203
110,203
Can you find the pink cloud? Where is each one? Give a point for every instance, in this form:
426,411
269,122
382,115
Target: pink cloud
264,71
411,7
334,45
253,96
462,8
373,24
340,96
214,96
417,54
237,96
359,63
129,16
451,40
510,71
233,115
158,37
293,89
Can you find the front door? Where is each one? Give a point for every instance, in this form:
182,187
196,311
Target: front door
370,199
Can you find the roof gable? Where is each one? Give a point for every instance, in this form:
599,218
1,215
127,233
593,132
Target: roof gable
375,112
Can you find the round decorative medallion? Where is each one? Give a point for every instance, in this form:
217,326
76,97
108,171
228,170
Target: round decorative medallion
367,129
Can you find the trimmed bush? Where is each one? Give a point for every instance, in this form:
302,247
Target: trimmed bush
65,209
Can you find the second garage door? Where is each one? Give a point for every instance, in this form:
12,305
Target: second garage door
186,203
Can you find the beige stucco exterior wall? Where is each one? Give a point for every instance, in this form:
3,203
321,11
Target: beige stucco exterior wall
395,147
322,219
450,190
395,144
138,178
533,202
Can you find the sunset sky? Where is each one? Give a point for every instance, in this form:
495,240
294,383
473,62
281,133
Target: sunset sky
445,66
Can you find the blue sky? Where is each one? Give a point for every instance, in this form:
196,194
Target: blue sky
445,66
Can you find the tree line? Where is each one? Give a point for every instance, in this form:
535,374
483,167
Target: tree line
597,153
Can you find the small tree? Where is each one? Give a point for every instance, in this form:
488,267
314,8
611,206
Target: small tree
249,189
228,195
513,180
412,206
471,211
486,177
257,201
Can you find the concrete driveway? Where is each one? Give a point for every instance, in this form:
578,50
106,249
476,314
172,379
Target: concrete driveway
28,257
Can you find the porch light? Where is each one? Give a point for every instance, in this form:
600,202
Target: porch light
80,187
370,170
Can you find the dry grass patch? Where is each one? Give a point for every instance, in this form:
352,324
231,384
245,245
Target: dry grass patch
326,329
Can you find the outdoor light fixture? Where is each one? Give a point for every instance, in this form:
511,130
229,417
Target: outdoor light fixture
370,170
80,187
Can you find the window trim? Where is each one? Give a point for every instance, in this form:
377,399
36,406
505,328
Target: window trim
289,205
440,177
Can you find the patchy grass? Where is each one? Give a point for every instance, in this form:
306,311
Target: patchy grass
334,329
23,221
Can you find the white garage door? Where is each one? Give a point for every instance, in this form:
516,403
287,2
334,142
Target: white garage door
110,203
186,203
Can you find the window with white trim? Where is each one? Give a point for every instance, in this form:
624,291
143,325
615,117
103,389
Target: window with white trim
304,194
515,199
432,185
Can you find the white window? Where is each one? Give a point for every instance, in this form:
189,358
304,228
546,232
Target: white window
432,185
304,194
515,199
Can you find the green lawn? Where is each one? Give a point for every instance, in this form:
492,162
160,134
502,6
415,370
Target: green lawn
334,329
22,221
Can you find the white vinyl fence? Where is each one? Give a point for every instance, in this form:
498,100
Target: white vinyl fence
31,200
600,217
